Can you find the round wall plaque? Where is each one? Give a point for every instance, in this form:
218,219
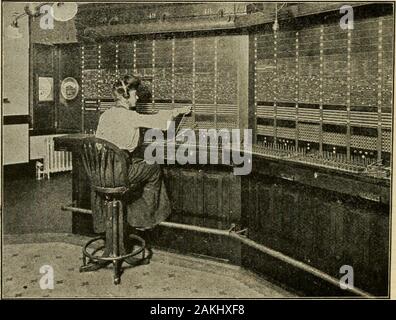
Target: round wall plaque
69,88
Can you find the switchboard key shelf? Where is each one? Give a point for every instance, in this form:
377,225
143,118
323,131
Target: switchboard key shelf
324,160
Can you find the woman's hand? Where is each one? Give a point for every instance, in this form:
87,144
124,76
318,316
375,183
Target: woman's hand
183,110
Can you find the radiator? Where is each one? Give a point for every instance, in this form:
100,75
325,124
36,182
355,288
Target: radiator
54,161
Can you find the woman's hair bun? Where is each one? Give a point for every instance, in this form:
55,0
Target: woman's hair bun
132,81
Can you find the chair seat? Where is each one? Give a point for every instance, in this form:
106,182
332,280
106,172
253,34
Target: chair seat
111,191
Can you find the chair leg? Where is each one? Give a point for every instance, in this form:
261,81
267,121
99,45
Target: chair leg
92,265
84,259
117,271
115,214
146,258
109,228
95,265
116,263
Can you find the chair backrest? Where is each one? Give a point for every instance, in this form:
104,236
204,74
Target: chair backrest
105,164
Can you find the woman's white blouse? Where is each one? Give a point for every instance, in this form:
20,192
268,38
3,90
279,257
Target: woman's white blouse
120,126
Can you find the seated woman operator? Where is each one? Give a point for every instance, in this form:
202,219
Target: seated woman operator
120,125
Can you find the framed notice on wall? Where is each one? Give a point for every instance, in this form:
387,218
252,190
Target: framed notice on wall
69,88
46,89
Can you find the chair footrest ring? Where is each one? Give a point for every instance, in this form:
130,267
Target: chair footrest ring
111,259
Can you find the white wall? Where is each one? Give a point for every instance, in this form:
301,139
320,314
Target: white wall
15,144
15,79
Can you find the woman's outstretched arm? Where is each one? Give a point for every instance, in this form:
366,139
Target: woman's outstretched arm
161,119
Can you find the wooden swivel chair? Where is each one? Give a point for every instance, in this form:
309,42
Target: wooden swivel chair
107,168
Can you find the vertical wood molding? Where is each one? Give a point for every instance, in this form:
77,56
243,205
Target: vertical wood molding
117,60
275,85
82,50
253,86
99,73
297,90
379,91
134,57
31,74
216,42
193,84
173,70
321,91
243,81
56,84
154,74
348,102
99,64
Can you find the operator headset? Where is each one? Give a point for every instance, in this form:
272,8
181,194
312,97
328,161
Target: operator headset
126,93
